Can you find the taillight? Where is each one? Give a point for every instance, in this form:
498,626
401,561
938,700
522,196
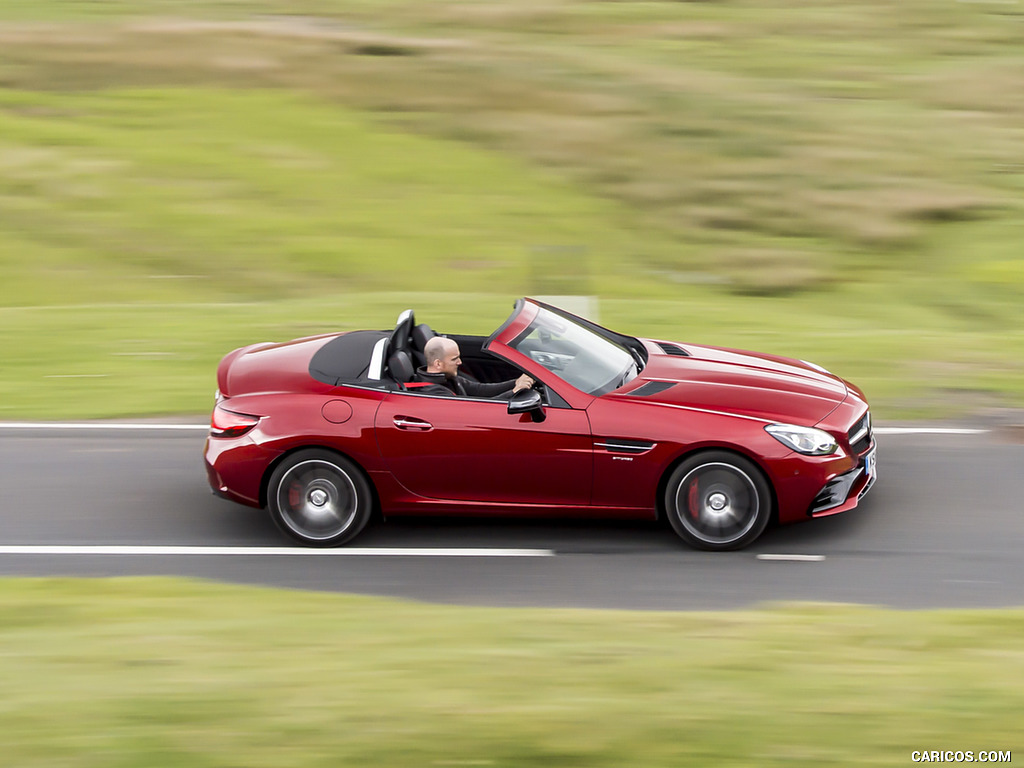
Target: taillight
225,423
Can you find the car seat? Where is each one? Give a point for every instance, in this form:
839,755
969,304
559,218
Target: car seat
421,334
400,367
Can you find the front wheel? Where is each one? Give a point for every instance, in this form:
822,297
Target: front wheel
319,498
718,500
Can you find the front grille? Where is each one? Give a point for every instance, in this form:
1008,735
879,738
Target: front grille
860,435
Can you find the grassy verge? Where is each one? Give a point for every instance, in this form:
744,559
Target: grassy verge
839,183
138,249
137,672
779,147
111,361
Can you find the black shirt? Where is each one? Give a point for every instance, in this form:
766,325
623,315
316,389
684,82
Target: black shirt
430,383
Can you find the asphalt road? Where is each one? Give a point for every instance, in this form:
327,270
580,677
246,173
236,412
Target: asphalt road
943,527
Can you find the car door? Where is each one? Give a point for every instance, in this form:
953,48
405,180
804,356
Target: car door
473,450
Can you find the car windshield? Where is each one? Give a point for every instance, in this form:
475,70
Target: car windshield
583,358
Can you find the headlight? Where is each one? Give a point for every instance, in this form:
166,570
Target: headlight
805,440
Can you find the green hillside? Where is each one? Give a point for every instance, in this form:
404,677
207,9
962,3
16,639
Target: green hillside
839,182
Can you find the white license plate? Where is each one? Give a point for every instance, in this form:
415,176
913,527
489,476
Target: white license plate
871,464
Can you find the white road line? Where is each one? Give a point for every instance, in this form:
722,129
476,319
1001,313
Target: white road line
928,431
793,558
133,307
118,550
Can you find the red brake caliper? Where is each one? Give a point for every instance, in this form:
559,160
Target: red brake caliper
692,500
295,495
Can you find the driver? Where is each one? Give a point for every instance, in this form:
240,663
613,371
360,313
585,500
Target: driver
440,376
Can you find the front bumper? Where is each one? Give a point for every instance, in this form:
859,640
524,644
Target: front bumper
844,491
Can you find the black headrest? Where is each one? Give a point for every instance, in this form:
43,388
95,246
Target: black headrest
400,366
403,330
421,334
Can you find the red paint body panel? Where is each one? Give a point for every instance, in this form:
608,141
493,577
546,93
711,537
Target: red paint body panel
604,455
675,431
743,383
272,368
474,451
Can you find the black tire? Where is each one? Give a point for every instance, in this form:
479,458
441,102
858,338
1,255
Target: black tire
718,500
319,498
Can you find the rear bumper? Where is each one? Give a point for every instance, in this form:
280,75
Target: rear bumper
235,468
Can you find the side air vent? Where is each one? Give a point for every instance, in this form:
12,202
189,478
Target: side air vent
672,349
626,446
652,388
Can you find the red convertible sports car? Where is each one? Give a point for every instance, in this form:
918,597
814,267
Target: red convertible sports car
323,431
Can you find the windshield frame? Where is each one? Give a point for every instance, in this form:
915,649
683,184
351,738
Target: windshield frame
603,360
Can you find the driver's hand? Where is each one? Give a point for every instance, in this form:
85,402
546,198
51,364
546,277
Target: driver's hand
523,382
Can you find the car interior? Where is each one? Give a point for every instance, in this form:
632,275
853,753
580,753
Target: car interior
405,353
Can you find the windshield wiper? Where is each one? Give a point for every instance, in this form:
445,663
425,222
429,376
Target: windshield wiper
628,375
637,357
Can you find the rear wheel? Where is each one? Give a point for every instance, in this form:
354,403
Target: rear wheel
718,500
319,498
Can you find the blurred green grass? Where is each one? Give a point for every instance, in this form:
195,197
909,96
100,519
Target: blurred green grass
136,672
108,361
840,183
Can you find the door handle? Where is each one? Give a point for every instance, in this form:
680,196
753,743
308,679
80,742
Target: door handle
412,424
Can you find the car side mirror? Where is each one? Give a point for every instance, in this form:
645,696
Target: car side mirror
527,401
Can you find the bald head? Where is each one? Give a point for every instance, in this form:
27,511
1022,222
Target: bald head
442,356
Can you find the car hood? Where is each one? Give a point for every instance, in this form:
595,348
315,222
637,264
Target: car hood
735,381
